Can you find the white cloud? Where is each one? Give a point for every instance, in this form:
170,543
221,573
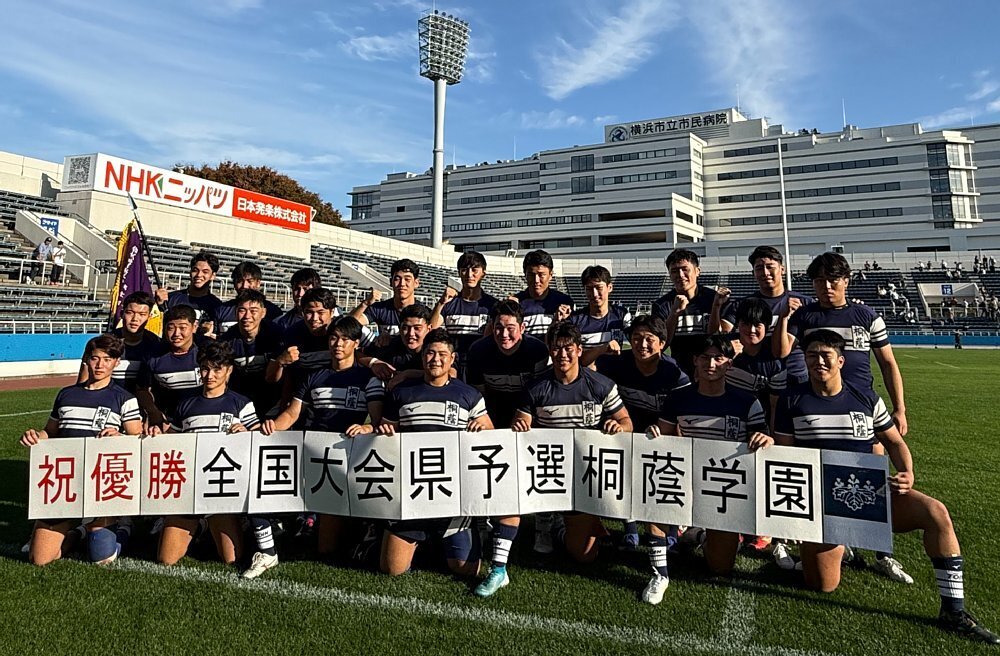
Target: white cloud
985,85
479,65
947,118
554,120
759,45
381,48
993,106
614,47
607,118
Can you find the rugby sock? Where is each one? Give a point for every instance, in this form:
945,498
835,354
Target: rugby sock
658,554
948,572
262,533
503,538
631,528
101,544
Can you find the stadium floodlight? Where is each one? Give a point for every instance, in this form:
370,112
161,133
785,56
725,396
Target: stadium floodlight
444,42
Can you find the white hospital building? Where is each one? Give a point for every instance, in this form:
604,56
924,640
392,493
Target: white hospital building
710,181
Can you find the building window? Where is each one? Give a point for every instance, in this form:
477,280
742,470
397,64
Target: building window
804,217
756,150
401,208
583,184
553,220
640,177
582,163
644,154
479,225
496,198
506,177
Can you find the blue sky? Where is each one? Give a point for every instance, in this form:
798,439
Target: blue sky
328,92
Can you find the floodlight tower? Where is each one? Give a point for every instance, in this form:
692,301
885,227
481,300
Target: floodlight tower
444,41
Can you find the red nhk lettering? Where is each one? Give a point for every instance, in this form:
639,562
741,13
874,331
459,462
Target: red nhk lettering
138,180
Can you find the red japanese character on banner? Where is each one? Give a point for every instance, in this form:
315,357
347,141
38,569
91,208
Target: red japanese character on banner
58,474
166,475
111,476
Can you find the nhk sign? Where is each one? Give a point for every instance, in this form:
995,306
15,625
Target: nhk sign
101,172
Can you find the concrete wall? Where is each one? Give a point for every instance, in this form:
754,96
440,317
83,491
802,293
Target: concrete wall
27,175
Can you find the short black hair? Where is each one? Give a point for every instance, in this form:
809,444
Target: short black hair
770,252
319,295
415,311
404,265
824,337
181,313
438,336
348,327
306,276
245,270
648,322
509,308
753,311
110,344
595,273
721,342
681,255
208,258
471,259
251,296
563,330
216,354
537,258
829,265
139,298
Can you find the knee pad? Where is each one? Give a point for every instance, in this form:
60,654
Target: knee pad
102,545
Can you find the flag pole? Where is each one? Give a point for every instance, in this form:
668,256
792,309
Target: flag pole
145,242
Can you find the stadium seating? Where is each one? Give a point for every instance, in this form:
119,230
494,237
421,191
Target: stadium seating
11,202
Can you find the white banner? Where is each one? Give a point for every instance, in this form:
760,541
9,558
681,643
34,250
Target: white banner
113,478
55,479
489,473
222,473
168,463
430,479
789,501
602,474
545,470
724,486
373,476
276,473
662,474
324,465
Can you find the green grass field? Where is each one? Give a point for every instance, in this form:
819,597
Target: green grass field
953,399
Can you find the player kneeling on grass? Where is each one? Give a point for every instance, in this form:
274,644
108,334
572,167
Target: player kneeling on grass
824,414
336,400
216,410
434,402
711,409
95,407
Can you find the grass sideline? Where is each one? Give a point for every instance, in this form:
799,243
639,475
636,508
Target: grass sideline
551,606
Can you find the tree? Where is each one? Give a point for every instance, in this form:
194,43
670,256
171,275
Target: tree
265,180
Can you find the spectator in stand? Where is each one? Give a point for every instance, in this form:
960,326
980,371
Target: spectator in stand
868,266
876,266
993,265
920,266
198,294
39,257
58,263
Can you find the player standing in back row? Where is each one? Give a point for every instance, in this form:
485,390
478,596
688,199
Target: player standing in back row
540,303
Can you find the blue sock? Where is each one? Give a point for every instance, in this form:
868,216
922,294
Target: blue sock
658,554
503,538
951,587
631,528
101,544
263,534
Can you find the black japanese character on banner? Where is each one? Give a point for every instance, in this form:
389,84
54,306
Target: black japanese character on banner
549,477
661,478
607,469
730,475
326,461
374,474
487,454
278,474
427,469
789,490
220,469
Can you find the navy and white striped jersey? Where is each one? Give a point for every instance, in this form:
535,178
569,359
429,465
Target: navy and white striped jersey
692,325
503,377
587,402
464,320
600,331
81,412
845,422
860,326
385,315
761,374
314,353
126,373
250,368
204,306
199,414
224,315
795,363
420,407
733,416
172,378
538,314
287,320
645,397
335,400
396,354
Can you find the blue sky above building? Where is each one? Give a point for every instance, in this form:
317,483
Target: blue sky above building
328,92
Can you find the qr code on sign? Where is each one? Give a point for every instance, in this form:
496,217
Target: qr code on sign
79,170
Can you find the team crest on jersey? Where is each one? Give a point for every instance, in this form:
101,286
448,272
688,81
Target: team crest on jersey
732,428
860,336
353,394
859,425
225,421
451,413
101,416
589,413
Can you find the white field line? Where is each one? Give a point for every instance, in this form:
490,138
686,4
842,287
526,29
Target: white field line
738,619
907,355
945,364
22,414
506,620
